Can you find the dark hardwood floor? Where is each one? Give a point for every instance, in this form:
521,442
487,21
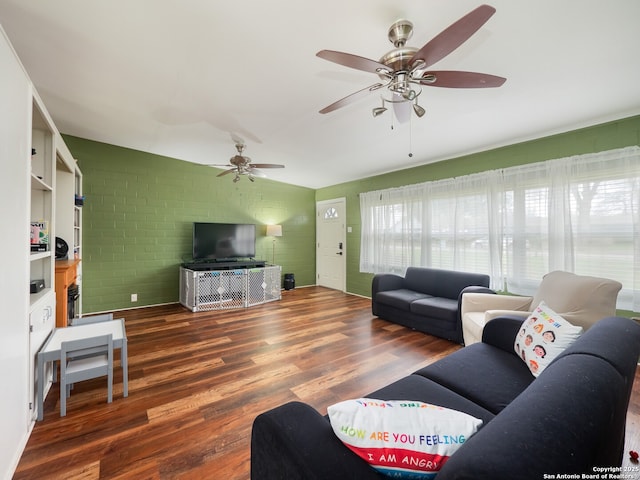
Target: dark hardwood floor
197,380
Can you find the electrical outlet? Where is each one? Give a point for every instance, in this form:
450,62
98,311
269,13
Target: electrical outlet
134,297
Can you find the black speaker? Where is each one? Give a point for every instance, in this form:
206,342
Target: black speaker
289,281
36,285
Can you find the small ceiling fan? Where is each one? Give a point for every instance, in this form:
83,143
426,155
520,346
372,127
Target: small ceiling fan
403,70
241,165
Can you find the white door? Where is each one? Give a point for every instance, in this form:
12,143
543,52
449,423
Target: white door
331,248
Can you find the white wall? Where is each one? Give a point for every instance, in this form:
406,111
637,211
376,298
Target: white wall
15,154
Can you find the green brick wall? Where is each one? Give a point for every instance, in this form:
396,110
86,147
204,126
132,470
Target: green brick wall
138,215
607,136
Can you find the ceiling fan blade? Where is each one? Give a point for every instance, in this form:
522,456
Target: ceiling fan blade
266,165
226,172
453,36
352,61
459,79
351,98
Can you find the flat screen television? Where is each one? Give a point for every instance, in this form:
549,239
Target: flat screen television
220,241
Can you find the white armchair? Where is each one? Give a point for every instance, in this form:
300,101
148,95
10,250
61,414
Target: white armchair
581,300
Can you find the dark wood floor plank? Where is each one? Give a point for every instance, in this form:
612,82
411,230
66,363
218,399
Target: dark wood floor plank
197,381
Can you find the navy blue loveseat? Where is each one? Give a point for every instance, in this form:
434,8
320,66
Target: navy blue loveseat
569,420
426,299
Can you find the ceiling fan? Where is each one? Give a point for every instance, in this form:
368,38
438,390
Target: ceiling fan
403,70
241,165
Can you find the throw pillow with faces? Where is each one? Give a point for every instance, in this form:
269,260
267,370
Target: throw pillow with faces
543,336
402,439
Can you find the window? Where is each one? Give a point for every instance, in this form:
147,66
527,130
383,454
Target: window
579,214
330,213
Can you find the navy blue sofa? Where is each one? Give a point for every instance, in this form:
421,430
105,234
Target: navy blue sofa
426,299
569,420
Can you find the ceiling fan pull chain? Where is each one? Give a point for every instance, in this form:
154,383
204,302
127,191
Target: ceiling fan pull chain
411,136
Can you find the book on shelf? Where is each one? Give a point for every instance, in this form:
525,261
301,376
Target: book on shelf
39,237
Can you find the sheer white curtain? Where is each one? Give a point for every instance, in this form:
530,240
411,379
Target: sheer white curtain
606,205
579,214
537,218
392,222
449,224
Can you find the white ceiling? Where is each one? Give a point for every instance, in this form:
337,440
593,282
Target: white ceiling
178,78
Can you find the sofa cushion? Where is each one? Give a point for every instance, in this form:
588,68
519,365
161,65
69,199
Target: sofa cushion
420,279
454,282
401,438
544,336
442,283
422,389
436,307
486,375
400,299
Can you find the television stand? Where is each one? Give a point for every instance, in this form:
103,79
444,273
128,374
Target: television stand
228,287
224,265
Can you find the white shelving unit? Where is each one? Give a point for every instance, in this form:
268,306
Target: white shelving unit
77,216
42,209
28,193
77,233
68,221
42,192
